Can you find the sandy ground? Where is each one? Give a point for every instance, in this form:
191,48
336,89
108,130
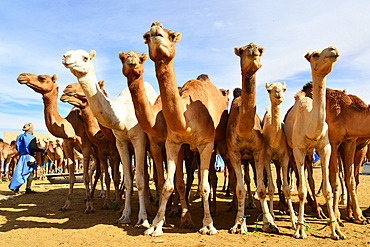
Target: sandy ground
34,220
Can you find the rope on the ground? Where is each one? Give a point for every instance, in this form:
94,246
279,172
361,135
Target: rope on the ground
115,206
255,229
308,227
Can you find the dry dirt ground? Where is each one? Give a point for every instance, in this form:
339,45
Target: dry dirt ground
34,220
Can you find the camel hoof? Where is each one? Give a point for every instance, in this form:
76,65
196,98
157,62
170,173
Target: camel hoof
145,224
208,230
63,210
270,228
153,233
187,225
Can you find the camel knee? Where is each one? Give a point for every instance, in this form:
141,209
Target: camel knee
168,188
302,193
205,190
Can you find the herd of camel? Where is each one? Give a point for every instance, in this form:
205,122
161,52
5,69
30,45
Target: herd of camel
195,119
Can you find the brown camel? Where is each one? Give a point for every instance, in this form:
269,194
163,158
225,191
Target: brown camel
7,153
347,117
106,150
152,121
244,137
192,115
305,129
54,153
70,129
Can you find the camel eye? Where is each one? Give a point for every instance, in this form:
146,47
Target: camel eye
41,79
315,55
85,59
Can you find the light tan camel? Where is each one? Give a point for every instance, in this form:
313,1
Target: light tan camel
106,150
305,129
276,145
70,129
347,117
244,137
118,115
192,115
7,153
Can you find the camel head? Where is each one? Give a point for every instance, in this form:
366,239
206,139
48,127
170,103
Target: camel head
322,62
74,95
250,56
79,62
161,42
132,63
276,91
39,83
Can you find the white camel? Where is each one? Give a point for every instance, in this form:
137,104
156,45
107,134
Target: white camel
118,115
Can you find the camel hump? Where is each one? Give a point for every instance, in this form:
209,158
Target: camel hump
203,77
299,95
150,92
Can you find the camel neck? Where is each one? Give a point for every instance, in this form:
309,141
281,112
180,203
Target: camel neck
143,109
276,128
248,105
318,112
90,123
89,83
173,109
54,122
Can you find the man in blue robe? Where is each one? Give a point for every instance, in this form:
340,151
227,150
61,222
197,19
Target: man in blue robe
27,148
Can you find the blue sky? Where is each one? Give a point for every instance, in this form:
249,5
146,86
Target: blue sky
34,35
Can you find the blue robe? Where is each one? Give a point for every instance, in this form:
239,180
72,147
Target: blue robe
24,168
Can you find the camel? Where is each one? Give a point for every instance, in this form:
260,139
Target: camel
118,115
305,129
276,145
244,137
193,115
54,153
152,121
347,118
7,153
106,149
149,116
70,129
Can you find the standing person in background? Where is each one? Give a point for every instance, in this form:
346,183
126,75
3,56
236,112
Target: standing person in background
27,148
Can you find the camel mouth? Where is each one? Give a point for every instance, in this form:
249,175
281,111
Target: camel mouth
22,81
131,65
252,57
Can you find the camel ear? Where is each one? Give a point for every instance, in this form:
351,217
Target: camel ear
261,49
176,37
143,57
146,37
238,51
308,56
268,87
54,78
92,54
284,86
101,83
121,56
